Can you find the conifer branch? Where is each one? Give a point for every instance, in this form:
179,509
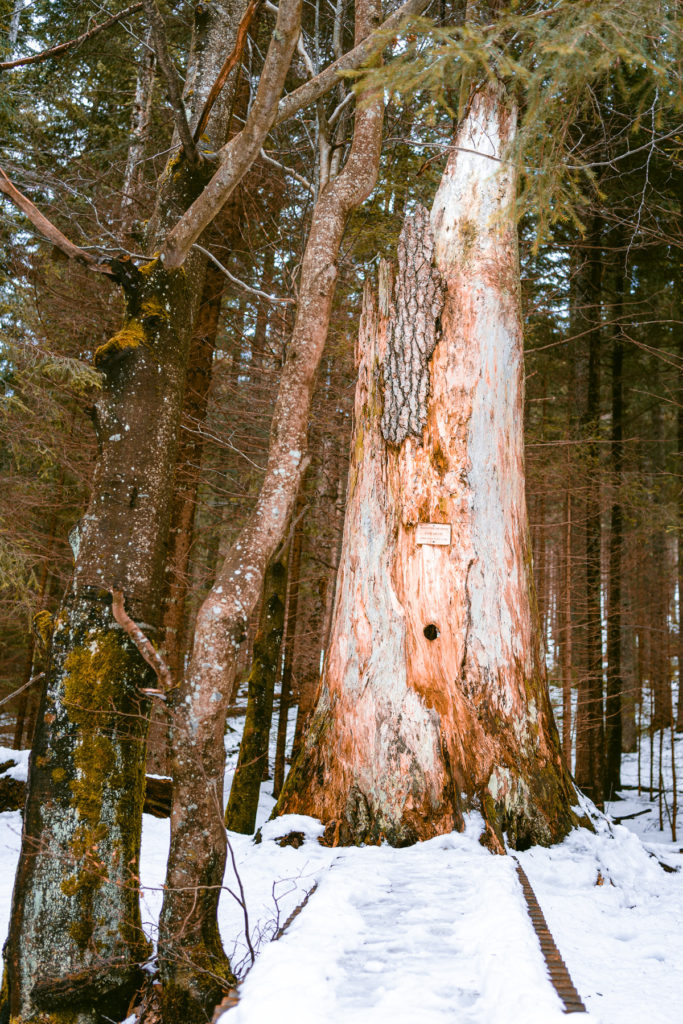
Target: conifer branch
57,51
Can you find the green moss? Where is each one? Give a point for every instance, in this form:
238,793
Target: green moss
147,269
43,625
92,679
152,309
130,337
58,775
467,230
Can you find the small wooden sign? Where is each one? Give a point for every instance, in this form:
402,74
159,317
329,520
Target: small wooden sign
433,533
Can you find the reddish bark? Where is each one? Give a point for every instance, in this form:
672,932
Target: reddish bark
434,697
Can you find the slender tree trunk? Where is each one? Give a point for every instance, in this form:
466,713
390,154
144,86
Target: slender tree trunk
240,815
188,471
290,640
140,120
191,957
589,726
434,696
660,677
566,605
629,673
615,684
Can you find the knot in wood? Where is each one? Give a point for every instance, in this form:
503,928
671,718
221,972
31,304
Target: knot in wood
412,331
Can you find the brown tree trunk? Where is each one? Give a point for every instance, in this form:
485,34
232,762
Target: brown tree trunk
679,465
615,684
76,942
434,697
191,957
566,645
188,469
290,639
589,771
660,579
240,814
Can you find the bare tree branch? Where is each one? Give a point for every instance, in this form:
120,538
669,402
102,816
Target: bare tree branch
243,284
171,77
143,643
239,153
57,51
231,61
47,228
316,87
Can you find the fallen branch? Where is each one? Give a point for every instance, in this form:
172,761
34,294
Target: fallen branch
143,644
57,51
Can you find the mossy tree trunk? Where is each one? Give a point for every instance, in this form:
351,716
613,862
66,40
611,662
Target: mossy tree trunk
240,814
75,938
76,943
434,695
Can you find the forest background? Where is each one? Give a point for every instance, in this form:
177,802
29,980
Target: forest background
86,135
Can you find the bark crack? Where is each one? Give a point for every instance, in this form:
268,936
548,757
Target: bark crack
412,332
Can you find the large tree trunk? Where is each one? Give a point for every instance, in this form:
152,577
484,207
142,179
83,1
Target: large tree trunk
75,941
75,937
191,958
434,696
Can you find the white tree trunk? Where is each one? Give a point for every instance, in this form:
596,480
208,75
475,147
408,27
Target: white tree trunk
434,696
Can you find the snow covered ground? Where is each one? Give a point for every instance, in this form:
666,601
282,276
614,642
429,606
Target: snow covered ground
439,932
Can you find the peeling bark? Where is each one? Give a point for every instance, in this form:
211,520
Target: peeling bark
434,697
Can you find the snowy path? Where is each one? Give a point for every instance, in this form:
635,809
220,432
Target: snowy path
435,933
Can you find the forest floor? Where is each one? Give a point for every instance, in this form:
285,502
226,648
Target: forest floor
439,932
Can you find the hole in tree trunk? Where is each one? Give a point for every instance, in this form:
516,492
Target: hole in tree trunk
431,631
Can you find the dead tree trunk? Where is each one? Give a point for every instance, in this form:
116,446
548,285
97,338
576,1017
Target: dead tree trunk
434,697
